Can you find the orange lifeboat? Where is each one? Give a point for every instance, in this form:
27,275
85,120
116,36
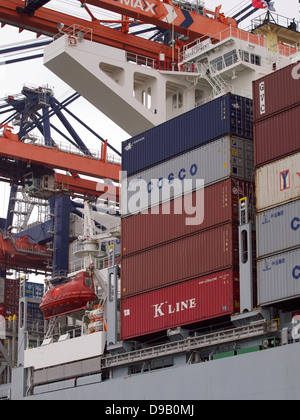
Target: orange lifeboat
69,297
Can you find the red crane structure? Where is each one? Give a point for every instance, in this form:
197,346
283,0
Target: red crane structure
192,24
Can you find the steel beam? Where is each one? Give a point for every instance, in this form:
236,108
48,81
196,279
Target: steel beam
45,22
12,148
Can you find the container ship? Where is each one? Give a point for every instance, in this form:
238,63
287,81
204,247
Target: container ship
173,272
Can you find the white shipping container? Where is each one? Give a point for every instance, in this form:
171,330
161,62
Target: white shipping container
212,162
279,277
278,229
278,182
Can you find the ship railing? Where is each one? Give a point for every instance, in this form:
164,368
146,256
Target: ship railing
24,247
289,23
100,263
150,63
287,50
56,337
31,249
71,333
74,32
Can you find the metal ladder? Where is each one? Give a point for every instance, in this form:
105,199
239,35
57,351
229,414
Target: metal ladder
217,82
51,326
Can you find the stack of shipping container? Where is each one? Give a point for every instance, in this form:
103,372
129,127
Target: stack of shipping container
277,160
176,270
9,297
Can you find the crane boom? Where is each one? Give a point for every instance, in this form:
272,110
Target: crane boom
167,15
45,22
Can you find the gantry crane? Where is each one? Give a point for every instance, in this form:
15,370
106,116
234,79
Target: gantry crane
31,163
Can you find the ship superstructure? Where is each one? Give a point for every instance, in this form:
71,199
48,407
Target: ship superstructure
142,92
135,292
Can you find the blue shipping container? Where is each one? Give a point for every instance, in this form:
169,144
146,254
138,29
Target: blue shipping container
229,114
34,290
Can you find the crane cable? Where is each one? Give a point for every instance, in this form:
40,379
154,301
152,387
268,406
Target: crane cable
238,7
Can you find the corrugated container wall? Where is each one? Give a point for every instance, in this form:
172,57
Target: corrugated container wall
229,114
12,292
279,277
277,136
276,92
192,256
2,290
184,303
218,204
278,183
213,162
278,229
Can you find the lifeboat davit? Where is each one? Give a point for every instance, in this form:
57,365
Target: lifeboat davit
69,297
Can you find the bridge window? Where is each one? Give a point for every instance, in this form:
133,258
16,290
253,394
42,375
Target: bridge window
230,58
255,59
245,56
217,64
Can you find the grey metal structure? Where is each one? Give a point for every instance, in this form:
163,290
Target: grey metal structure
112,305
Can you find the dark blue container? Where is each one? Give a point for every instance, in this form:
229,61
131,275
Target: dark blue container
229,114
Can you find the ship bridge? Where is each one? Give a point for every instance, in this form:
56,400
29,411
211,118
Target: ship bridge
138,92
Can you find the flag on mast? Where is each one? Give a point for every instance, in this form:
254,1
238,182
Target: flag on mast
264,4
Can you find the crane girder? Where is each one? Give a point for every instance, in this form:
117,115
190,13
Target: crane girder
45,22
165,15
53,158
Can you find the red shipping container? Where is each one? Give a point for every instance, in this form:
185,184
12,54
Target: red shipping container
280,91
189,302
143,231
277,136
190,257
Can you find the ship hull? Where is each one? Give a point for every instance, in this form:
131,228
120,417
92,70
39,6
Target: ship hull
271,374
